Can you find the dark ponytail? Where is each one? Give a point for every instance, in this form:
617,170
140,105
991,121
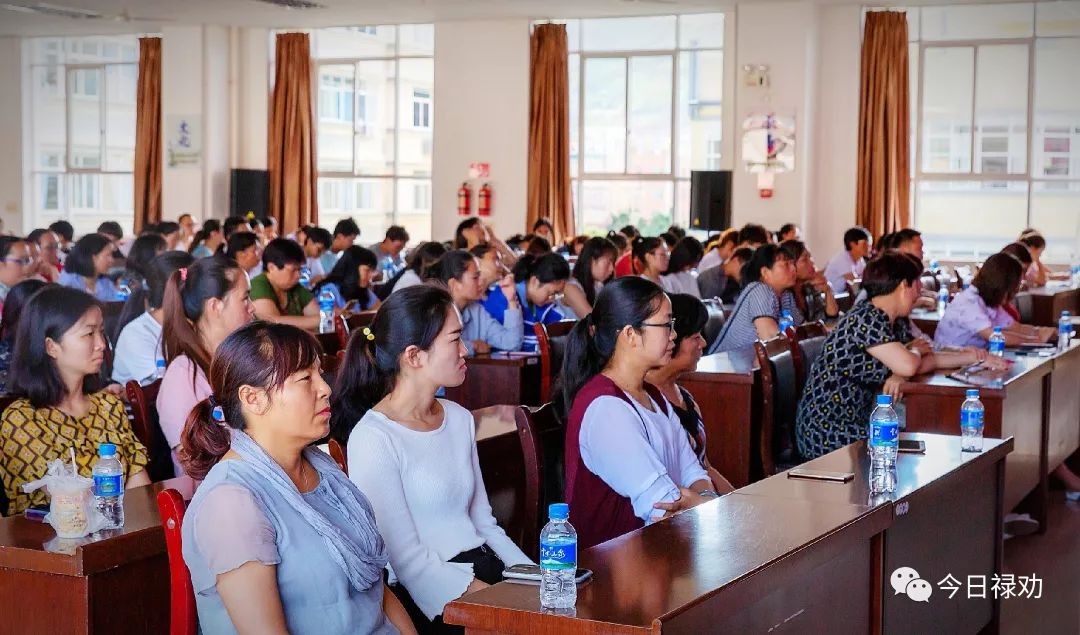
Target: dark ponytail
186,293
209,226
595,248
260,354
640,247
626,301
411,317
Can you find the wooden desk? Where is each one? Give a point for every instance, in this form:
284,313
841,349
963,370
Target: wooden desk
118,583
723,387
1062,437
1048,302
499,379
947,511
739,564
502,465
1019,408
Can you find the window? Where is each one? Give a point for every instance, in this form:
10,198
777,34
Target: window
80,129
376,89
995,124
646,108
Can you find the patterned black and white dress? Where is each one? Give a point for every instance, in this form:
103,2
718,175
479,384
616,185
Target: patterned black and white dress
844,381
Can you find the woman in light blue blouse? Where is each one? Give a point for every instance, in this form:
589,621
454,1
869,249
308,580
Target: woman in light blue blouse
277,538
86,265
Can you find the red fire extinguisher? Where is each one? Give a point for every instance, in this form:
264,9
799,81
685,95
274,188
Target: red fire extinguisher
464,199
484,200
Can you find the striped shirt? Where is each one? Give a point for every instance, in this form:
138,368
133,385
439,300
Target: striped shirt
756,300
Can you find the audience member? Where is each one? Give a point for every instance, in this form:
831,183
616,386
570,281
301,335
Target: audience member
277,294
47,264
418,262
391,247
469,233
187,231
243,247
592,270
206,241
681,276
812,292
9,323
538,281
350,280
753,236
1038,273
725,281
768,279
15,263
346,231
848,265
543,228
719,249
459,271
650,258
317,241
86,267
170,231
65,233
788,231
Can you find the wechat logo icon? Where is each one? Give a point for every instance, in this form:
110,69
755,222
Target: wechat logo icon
906,581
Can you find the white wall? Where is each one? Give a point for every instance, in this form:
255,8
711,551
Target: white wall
11,117
252,103
481,114
182,94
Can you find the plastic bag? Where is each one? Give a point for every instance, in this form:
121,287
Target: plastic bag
72,509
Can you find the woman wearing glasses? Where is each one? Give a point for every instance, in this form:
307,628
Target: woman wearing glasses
628,459
15,261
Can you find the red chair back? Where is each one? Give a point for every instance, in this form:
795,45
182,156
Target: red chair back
551,342
143,400
337,452
329,342
183,619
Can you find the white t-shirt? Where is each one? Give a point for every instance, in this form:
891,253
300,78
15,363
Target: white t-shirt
642,455
137,350
429,501
682,282
841,265
407,279
314,265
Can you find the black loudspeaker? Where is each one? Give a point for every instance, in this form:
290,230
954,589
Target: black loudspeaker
249,191
710,199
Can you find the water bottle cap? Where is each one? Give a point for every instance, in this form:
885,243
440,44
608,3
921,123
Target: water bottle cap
884,400
106,449
997,329
972,393
558,511
1066,314
160,363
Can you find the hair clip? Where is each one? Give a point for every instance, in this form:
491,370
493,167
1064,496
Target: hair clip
183,274
250,215
218,414
368,334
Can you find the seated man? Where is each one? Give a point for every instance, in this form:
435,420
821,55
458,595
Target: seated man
276,293
316,241
345,233
848,265
724,281
392,247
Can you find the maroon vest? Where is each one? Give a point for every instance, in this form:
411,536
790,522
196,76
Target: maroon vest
597,512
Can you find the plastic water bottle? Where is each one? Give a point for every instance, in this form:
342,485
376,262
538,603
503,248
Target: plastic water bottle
971,422
883,443
109,486
388,269
123,289
558,560
305,277
159,368
934,266
1064,330
326,311
942,298
997,343
786,320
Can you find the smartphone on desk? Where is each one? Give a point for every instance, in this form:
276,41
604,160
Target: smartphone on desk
821,475
530,573
912,446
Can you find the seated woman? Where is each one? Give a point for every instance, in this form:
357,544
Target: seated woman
492,267
539,281
970,318
685,256
812,291
139,346
208,240
86,266
145,248
15,263
244,248
9,323
59,348
202,305
690,317
276,538
628,459
1037,274
415,455
767,278
869,351
418,261
650,257
593,269
459,272
277,294
350,280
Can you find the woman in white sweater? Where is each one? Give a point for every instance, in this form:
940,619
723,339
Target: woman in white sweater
415,455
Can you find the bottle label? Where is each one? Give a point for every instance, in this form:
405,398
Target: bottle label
558,556
884,434
971,419
107,485
997,346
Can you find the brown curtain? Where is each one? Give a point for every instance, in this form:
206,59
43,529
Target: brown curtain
549,193
148,135
883,172
291,141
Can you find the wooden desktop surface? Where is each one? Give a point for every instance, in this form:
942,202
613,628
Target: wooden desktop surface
1048,302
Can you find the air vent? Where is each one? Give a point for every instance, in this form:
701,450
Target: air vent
293,4
42,8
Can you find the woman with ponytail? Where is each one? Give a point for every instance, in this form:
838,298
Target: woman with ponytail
593,269
415,455
459,272
539,283
273,514
207,240
628,460
650,258
203,304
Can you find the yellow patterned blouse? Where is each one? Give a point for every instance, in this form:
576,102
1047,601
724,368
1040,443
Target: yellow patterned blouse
31,437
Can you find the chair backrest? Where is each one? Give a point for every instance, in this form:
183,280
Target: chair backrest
806,342
715,323
844,301
329,342
1025,306
338,453
503,465
779,401
345,325
548,435
147,428
551,344
853,287
183,619
110,313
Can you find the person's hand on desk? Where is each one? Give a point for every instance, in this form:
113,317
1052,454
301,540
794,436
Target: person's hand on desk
688,498
892,387
480,347
995,363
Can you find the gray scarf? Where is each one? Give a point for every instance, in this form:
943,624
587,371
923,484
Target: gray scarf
362,563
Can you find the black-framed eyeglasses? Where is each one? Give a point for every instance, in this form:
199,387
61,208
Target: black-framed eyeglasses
670,326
